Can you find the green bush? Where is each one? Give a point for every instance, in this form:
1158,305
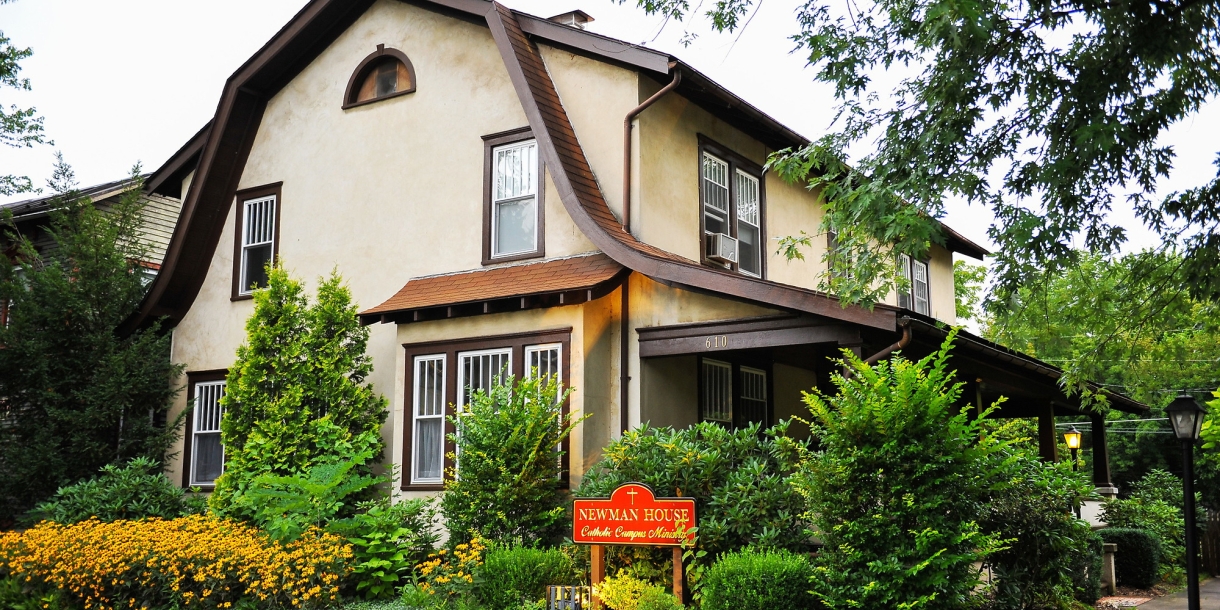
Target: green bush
508,487
899,487
1086,571
388,540
1137,561
1155,515
625,592
514,575
136,490
1048,548
759,580
297,396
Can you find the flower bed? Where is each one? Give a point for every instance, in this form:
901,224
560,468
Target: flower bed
195,561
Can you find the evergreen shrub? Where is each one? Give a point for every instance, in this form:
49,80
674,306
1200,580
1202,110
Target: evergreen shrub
1137,563
136,490
506,484
759,580
513,575
899,487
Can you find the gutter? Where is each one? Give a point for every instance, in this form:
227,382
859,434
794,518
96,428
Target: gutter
627,144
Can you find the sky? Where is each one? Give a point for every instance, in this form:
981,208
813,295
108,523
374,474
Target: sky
127,81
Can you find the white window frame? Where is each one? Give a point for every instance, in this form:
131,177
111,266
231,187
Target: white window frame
530,350
910,270
267,219
462,382
741,178
213,427
532,196
725,415
416,445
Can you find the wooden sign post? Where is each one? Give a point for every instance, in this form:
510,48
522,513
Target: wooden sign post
634,516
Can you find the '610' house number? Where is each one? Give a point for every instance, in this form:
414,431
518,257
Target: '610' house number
716,342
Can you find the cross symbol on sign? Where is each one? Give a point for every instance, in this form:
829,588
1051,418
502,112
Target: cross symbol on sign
633,494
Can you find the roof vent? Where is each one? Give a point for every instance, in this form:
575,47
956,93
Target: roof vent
576,18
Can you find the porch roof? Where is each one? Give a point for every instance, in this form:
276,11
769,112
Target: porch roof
562,281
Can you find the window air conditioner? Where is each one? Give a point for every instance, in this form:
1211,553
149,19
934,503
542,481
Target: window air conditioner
721,248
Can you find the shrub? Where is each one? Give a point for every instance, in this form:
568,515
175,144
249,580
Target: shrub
288,506
759,580
1048,548
447,576
1156,516
899,487
136,490
297,396
629,593
740,480
191,561
514,575
387,540
507,489
1086,572
1137,561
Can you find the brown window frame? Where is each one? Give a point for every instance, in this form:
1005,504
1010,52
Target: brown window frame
490,142
735,363
517,342
362,70
240,199
192,378
735,162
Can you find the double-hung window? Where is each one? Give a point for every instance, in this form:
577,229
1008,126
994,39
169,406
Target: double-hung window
732,394
513,223
916,274
206,452
732,209
443,378
258,215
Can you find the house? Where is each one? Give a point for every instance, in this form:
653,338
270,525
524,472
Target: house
508,193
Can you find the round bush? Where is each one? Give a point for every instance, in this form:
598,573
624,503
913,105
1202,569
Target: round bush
759,580
1137,562
511,576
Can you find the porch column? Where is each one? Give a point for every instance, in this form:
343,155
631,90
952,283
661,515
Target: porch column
1101,458
1047,442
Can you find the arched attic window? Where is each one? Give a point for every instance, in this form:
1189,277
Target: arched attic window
385,73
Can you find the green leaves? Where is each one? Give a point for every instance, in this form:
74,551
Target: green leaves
135,490
506,484
297,396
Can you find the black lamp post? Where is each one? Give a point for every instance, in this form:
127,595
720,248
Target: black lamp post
1186,415
1072,438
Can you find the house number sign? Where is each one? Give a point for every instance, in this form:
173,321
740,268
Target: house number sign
716,342
633,515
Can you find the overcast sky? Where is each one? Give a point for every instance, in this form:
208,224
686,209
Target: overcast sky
126,81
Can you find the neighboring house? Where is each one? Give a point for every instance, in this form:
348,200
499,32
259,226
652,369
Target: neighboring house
465,168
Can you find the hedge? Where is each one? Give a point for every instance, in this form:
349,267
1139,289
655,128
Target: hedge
1138,559
759,580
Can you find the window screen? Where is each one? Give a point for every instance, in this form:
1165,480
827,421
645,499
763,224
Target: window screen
514,199
715,195
429,420
717,396
543,360
749,248
207,454
480,370
257,243
753,396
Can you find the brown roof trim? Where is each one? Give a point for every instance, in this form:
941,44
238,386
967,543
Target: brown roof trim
956,242
584,202
179,164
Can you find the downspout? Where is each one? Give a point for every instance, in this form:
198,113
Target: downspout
624,331
903,342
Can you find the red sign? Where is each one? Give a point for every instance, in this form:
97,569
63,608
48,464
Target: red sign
633,515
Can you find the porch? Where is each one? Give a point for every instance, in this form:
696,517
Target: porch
753,370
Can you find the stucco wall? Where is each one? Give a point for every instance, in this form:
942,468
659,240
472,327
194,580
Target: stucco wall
670,391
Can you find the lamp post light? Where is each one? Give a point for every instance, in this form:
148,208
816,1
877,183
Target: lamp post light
1072,437
1186,415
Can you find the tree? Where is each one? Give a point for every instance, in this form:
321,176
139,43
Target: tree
968,283
74,394
1101,319
297,396
899,487
19,127
1048,113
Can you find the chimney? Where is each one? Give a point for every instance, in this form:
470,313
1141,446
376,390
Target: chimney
576,18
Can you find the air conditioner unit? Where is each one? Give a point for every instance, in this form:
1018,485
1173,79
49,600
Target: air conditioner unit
721,248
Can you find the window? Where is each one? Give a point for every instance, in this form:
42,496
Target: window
839,260
732,194
383,74
732,394
442,377
257,238
204,449
512,223
429,420
916,274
